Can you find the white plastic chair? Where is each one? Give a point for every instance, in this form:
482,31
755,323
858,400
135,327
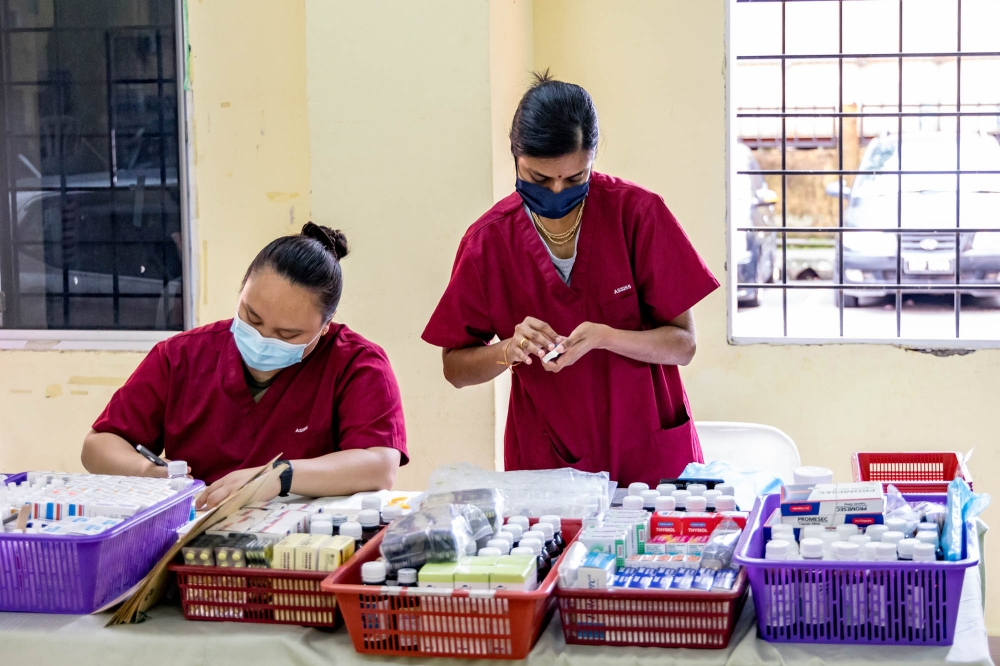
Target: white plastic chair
749,446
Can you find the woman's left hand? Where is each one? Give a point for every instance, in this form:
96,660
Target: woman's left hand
587,337
217,493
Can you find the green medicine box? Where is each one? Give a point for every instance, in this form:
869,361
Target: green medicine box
478,561
472,577
515,576
437,574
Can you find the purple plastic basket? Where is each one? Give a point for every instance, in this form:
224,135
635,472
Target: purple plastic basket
886,603
79,574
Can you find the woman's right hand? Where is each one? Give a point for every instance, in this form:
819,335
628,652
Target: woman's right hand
532,337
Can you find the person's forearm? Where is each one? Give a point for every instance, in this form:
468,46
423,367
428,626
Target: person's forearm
106,453
474,365
346,472
667,345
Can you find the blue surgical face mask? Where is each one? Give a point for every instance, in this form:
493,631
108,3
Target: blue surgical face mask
545,203
265,354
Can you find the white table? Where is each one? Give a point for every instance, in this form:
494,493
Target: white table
166,638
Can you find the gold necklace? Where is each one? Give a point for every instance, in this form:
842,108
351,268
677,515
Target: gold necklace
565,237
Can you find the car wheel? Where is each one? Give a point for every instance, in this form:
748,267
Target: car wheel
849,301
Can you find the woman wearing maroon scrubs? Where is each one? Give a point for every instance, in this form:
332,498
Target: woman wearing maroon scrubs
591,267
279,379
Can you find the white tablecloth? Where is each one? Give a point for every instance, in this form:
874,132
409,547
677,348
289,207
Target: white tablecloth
166,638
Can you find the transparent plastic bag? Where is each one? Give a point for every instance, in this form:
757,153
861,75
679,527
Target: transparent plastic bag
566,492
489,500
721,547
747,484
437,534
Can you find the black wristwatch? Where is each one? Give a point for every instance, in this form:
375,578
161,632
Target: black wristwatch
286,477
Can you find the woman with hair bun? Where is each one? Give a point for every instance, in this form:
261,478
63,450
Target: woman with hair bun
588,282
278,379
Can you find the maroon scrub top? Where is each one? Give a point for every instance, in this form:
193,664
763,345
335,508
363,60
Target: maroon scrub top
189,399
635,270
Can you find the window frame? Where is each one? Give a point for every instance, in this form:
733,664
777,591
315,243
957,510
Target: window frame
947,346
137,340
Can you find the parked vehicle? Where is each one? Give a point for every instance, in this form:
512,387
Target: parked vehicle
754,252
924,205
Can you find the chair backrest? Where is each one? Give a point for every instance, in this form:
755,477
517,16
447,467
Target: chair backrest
749,446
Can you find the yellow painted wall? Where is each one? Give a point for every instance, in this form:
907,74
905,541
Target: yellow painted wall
251,165
656,70
399,111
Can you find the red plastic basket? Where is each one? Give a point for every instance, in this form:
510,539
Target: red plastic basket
265,596
652,618
428,622
917,472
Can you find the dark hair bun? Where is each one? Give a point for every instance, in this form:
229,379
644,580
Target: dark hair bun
333,240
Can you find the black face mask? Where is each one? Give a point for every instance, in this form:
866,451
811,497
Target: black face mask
545,203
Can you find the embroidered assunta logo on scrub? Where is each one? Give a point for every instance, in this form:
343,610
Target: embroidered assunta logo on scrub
302,429
621,289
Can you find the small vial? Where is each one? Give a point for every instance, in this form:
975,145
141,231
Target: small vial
556,523
337,519
726,489
697,489
664,503
869,551
372,502
924,552
876,531
369,519
710,497
696,503
633,503
649,499
391,512
177,469
500,544
373,573
811,549
520,520
885,552
353,530
846,531
666,488
637,488
845,551
407,577
680,499
905,549
892,537
725,503
776,550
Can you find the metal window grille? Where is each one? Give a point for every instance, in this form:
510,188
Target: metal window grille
90,236
789,127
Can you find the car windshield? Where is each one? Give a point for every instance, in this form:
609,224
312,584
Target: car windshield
935,152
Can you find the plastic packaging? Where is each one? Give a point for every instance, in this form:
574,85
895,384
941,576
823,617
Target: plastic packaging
488,500
746,484
566,492
570,564
438,534
718,553
963,505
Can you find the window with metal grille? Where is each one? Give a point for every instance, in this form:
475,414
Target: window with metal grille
865,187
90,236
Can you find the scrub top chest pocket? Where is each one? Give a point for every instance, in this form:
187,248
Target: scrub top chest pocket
621,310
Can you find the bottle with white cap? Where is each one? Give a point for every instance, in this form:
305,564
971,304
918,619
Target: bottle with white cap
829,538
868,550
710,497
782,532
523,521
846,531
876,531
860,539
549,541
637,488
680,499
353,530
515,532
373,573
892,537
522,550
556,523
896,525
696,504
813,588
491,551
854,590
632,503
925,536
391,512
845,551
664,503
371,502
726,489
879,584
725,503
500,544
666,488
539,536
649,499
924,552
370,523
507,535
928,527
783,593
916,613
905,549
811,532
541,562
320,525
177,469
696,489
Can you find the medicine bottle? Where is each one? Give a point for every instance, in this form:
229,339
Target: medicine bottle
501,544
846,551
724,503
177,469
538,536
633,503
391,512
924,552
726,489
369,519
353,530
373,573
550,539
637,488
649,499
846,531
541,563
515,531
320,526
680,499
710,497
490,551
869,551
925,536
697,489
905,549
519,520
776,549
664,503
522,550
407,577
696,504
507,536
666,489
372,502
337,519
876,531
811,549
556,523
892,537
